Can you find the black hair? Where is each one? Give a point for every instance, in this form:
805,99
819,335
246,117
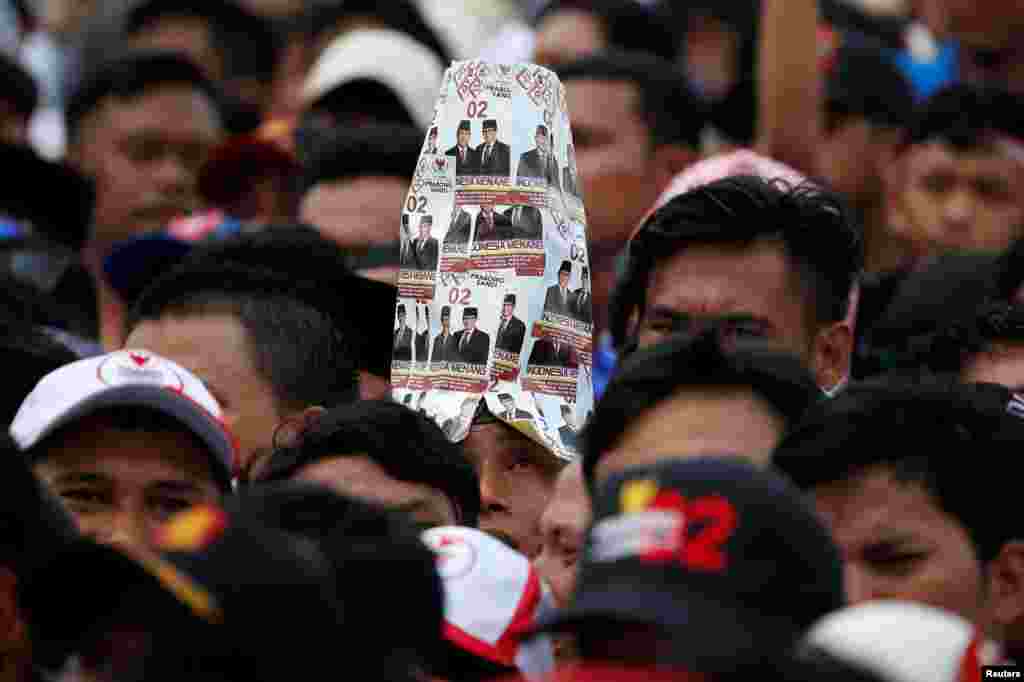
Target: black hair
28,355
953,347
407,445
17,87
377,150
654,374
297,348
628,25
965,117
814,226
132,76
953,426
673,113
365,544
247,43
322,272
398,15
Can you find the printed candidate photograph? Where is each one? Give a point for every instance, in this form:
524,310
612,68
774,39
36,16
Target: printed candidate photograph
511,329
562,298
471,344
496,223
402,337
421,251
466,160
493,156
540,163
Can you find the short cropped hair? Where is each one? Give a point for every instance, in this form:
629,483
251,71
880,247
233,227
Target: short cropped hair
823,245
17,87
628,25
132,76
953,347
376,150
953,425
295,347
655,374
407,445
966,116
672,111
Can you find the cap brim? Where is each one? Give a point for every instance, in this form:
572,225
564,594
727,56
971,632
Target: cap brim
713,634
132,266
165,400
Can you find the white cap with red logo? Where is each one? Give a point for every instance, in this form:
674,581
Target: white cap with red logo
493,598
125,378
905,642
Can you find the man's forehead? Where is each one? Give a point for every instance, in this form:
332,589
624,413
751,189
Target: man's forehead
595,101
1005,159
716,278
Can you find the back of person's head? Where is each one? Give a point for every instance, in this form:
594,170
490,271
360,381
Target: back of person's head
365,545
953,425
131,76
18,90
324,16
996,323
814,226
673,114
966,117
371,151
248,45
28,354
627,25
359,308
405,444
297,347
704,361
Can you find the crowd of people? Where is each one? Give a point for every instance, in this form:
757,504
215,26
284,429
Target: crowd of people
805,224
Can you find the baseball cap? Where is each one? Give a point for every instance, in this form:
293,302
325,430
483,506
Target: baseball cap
725,558
214,591
493,597
136,378
406,67
905,642
134,263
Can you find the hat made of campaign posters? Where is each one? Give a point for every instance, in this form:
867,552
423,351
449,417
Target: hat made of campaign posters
405,66
493,599
726,559
125,378
905,642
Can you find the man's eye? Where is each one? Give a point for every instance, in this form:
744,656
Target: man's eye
83,497
520,463
166,507
937,184
896,564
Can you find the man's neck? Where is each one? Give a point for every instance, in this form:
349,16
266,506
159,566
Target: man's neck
602,279
111,309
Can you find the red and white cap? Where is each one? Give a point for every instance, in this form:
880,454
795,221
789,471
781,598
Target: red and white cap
493,598
125,378
905,642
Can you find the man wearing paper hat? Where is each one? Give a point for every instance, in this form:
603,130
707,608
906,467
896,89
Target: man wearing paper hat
471,344
125,440
466,160
494,156
559,299
511,330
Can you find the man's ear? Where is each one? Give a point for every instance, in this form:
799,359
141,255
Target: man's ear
831,355
291,429
1006,590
